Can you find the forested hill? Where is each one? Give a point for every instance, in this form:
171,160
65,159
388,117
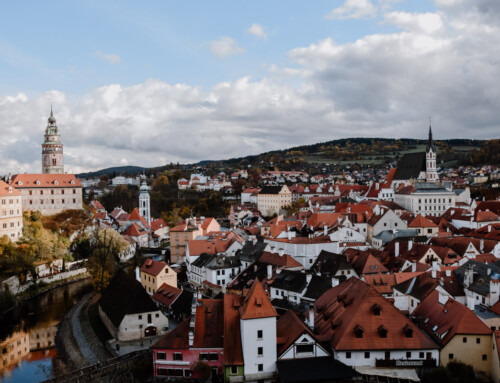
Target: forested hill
359,150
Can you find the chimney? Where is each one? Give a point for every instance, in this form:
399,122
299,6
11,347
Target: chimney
311,317
414,267
410,245
325,230
488,271
448,272
269,271
289,235
308,278
396,249
281,252
335,282
481,246
489,228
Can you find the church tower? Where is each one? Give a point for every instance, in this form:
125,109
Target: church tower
144,209
52,149
430,160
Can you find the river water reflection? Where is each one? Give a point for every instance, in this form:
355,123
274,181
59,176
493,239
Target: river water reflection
27,334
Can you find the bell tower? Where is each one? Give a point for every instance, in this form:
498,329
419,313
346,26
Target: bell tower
144,200
52,148
431,174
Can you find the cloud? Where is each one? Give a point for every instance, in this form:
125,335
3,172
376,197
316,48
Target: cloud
385,85
258,31
225,47
111,58
353,9
427,23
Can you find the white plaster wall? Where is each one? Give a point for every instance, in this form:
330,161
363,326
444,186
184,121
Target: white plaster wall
250,344
129,328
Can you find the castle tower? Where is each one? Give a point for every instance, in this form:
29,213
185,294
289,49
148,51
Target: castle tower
144,209
52,149
430,160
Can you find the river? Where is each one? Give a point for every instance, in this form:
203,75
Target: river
27,333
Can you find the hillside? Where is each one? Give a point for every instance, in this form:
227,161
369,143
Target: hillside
336,154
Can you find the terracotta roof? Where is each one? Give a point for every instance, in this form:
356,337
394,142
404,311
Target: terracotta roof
153,267
352,315
135,216
208,327
383,283
319,220
135,230
158,224
7,190
486,216
443,322
288,329
176,339
420,221
233,354
285,260
257,304
166,294
22,181
97,205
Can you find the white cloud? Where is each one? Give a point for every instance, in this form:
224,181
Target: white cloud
111,58
416,22
353,9
383,85
225,47
258,31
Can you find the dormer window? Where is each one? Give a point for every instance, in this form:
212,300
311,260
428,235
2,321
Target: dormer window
358,331
56,182
376,309
408,331
37,182
20,182
382,331
72,182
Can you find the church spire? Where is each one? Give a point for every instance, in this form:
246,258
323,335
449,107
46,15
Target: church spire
430,145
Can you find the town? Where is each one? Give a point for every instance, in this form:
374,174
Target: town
304,279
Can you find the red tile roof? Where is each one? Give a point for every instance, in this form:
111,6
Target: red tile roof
451,319
420,221
285,260
176,339
166,294
257,304
135,230
352,307
233,354
152,267
288,329
22,181
208,327
135,216
158,224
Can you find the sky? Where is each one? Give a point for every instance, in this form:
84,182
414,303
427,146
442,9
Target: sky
153,82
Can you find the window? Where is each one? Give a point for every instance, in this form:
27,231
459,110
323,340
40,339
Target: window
157,315
478,340
140,317
464,339
214,356
408,354
367,354
188,372
485,357
348,355
162,372
161,355
203,356
451,356
260,367
421,355
305,348
177,356
234,370
260,351
260,334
